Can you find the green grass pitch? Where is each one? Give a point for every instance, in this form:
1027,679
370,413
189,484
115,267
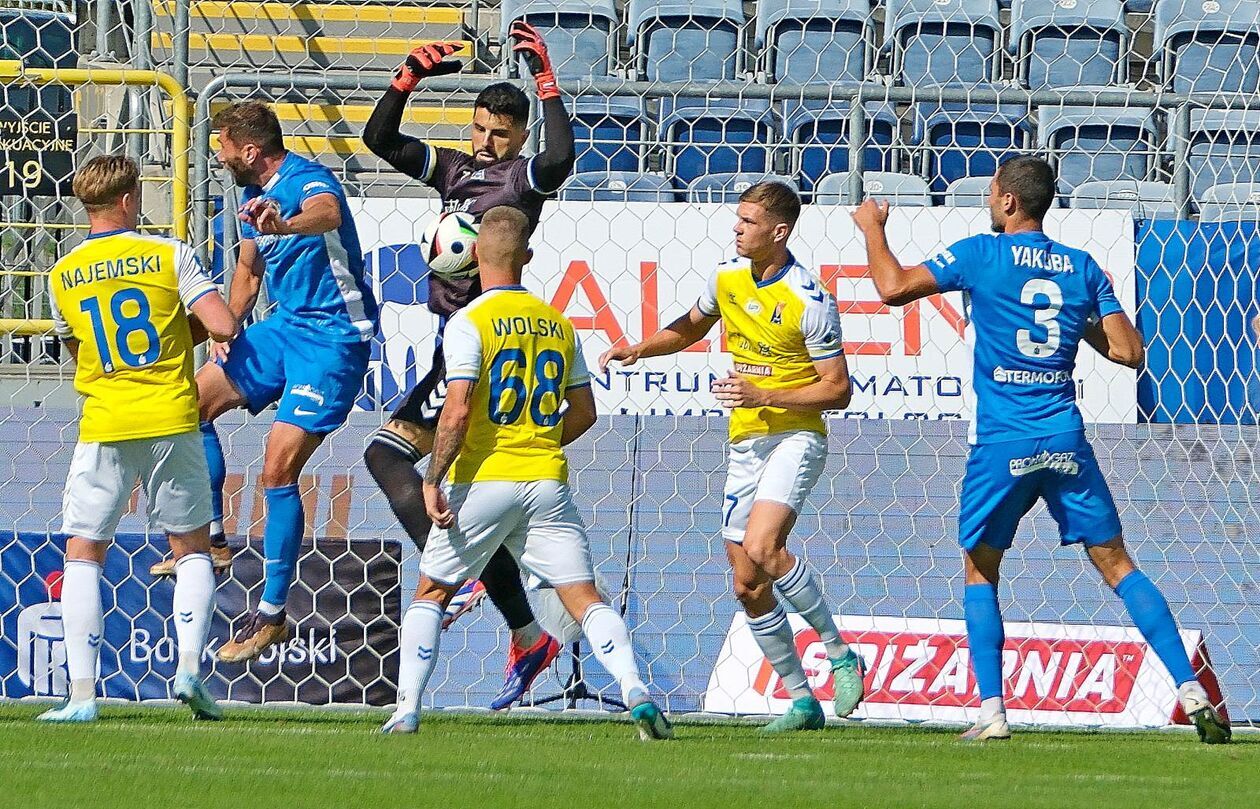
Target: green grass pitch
138,757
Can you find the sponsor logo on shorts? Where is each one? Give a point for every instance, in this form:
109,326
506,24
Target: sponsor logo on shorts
753,370
308,392
1064,463
1011,376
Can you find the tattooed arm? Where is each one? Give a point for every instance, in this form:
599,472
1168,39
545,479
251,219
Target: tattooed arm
452,427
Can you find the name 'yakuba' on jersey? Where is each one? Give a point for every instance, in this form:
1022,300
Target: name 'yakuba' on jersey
537,327
1026,256
110,268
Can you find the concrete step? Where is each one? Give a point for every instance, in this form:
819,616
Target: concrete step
323,19
293,52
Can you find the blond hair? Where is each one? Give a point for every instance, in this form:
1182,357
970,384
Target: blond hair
502,237
103,181
777,198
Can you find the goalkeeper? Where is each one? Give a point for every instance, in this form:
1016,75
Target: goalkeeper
494,174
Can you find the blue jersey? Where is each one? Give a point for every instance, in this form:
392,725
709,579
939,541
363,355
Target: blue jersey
316,282
1029,300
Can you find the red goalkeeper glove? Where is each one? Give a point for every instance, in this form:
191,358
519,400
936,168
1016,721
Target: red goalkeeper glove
425,61
529,43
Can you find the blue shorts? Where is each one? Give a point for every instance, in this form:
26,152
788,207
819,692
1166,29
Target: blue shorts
1004,481
315,383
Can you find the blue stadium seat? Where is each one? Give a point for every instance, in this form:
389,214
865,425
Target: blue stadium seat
1209,46
959,140
818,132
728,187
806,41
905,190
609,133
1224,148
968,192
618,186
682,40
715,136
580,34
1146,200
1061,44
943,42
1230,202
1097,143
1139,6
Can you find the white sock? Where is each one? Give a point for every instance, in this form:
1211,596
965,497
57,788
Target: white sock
799,590
417,652
774,636
269,609
527,636
991,708
83,625
610,640
193,604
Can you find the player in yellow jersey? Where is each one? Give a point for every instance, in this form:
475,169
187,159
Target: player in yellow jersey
783,331
517,392
121,301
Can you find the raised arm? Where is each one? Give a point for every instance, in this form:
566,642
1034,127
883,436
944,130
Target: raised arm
897,285
678,335
382,135
320,213
552,166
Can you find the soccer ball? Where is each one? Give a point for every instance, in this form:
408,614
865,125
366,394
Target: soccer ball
449,245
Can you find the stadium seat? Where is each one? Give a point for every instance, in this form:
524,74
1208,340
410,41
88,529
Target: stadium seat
905,190
1209,46
1097,143
609,133
580,34
1063,44
712,136
618,186
818,132
1139,6
728,187
968,192
958,141
684,40
943,42
804,41
1146,200
1224,148
1230,202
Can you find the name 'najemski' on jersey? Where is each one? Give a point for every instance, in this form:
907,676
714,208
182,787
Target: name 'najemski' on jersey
1029,300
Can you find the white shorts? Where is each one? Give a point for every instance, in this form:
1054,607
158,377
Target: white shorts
536,521
782,467
172,469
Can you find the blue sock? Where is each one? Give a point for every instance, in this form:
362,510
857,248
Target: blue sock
218,474
986,636
1149,610
282,541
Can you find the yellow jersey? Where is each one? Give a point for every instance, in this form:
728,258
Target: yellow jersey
123,297
776,329
524,356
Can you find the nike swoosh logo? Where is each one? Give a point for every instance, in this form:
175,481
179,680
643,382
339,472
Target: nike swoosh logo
297,411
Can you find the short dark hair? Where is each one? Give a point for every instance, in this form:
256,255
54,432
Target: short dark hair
251,122
1031,181
777,198
505,98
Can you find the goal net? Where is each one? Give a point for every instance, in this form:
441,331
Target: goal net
623,251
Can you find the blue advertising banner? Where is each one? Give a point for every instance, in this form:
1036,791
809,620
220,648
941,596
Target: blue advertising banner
1197,297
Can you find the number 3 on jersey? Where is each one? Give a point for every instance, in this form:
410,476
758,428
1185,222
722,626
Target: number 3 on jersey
508,389
128,324
1047,299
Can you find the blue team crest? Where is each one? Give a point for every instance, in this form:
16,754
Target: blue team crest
777,316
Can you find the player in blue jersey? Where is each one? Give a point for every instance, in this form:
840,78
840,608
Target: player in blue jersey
1030,302
308,357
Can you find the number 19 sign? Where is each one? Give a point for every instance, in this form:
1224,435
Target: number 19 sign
36,152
